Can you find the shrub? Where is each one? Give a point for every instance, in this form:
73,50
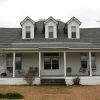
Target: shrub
2,95
76,81
13,96
29,77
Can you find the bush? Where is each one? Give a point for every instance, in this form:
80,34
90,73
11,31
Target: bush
29,77
76,81
2,95
13,96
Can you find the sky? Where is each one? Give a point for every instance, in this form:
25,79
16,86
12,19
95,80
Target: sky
12,12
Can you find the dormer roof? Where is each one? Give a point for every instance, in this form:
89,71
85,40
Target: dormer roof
51,18
75,19
27,18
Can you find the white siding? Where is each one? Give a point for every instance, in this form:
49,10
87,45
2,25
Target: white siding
73,61
29,60
50,23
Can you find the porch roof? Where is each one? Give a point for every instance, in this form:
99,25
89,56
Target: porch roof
52,45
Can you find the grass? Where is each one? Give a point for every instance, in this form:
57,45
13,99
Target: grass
55,92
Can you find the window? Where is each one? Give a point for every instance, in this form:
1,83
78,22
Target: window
18,62
28,31
9,63
47,63
51,61
93,60
73,31
51,29
84,60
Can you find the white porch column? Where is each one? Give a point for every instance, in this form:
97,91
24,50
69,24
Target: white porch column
39,63
64,64
90,63
13,64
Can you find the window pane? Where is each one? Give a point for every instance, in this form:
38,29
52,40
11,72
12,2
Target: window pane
55,66
47,63
18,62
55,63
28,31
50,34
93,61
47,60
51,29
83,56
27,34
9,60
73,34
47,66
84,60
73,29
84,64
27,28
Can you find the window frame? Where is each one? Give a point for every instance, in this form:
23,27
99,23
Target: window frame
28,32
84,59
51,57
18,55
73,32
9,59
93,61
51,32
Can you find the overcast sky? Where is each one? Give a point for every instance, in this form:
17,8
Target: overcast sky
12,12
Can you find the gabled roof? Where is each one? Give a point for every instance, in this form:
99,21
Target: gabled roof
27,18
51,18
74,18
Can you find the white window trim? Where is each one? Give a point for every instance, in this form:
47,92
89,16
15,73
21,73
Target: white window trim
51,63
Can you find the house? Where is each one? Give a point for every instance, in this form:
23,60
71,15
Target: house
52,49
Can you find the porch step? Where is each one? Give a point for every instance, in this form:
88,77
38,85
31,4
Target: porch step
52,81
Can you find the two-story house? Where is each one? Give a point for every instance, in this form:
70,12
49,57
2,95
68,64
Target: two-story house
54,50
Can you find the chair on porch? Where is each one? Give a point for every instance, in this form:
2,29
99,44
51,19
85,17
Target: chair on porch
20,73
82,69
5,73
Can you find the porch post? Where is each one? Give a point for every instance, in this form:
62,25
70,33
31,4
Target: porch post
64,64
90,63
39,63
13,64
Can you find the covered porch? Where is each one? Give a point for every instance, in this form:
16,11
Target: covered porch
50,64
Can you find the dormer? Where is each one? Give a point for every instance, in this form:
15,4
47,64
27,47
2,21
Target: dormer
50,28
27,28
74,28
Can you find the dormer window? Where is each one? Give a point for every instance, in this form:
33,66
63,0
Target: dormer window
27,28
73,26
51,31
73,31
28,31
51,28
